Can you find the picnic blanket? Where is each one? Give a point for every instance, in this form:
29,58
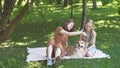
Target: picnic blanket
39,53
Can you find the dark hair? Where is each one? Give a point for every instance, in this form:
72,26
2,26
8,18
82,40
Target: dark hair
66,23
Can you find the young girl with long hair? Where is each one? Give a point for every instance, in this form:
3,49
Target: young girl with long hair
90,38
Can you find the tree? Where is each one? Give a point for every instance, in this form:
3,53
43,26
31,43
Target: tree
71,3
58,1
7,25
0,8
84,13
65,3
94,4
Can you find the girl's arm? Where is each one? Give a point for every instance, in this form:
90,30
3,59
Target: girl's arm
72,33
80,36
83,37
93,40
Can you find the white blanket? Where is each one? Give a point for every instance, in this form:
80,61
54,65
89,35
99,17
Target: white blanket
35,54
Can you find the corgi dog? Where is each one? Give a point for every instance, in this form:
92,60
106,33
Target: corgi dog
81,49
78,50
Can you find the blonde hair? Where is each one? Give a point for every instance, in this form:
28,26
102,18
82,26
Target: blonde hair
91,31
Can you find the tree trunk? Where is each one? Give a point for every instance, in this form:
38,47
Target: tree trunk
8,7
58,1
65,3
94,4
9,30
0,8
84,13
71,3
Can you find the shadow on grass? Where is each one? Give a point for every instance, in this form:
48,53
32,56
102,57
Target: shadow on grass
13,57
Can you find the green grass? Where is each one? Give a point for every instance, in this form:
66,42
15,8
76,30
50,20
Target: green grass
35,32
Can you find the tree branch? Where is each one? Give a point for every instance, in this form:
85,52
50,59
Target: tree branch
8,7
19,17
15,21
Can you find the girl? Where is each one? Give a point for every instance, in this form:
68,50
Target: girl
56,45
91,38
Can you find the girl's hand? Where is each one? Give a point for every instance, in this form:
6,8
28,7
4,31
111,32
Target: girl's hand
84,38
59,45
84,34
62,55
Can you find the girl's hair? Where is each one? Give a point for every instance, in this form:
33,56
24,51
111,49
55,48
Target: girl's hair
89,21
92,30
66,23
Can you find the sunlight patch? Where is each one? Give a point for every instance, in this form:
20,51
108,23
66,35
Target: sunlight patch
105,47
100,23
25,38
61,66
20,43
51,35
103,23
12,43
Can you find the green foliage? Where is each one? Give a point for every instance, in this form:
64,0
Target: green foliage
49,1
35,32
37,2
77,1
19,3
104,2
118,1
118,4
119,10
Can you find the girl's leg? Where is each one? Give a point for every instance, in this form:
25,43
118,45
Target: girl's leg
58,52
89,54
50,49
49,52
61,48
51,42
50,46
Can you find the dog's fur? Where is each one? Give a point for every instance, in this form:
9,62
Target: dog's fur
78,50
81,49
69,50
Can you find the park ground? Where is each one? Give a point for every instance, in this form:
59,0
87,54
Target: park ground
35,32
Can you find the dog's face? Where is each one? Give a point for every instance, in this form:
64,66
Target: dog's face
80,49
81,44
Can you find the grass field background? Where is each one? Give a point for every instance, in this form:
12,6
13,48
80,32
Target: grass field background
35,31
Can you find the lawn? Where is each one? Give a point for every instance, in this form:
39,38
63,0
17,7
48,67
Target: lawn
35,32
